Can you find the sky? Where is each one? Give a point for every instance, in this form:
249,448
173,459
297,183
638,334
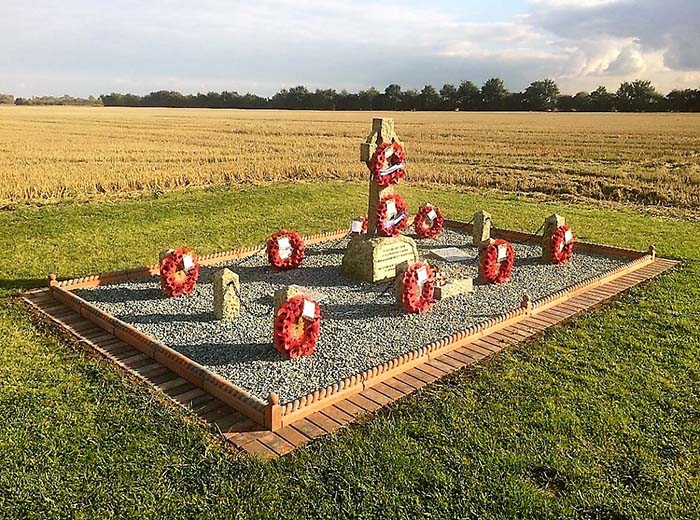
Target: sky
92,47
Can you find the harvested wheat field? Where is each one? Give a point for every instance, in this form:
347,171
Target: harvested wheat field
50,153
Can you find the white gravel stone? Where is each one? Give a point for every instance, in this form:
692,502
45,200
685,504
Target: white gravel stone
361,325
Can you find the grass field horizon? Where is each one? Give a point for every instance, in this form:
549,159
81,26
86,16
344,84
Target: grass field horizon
52,154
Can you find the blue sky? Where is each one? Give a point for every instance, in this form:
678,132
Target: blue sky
83,47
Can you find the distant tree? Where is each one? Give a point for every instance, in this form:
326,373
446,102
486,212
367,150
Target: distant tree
513,101
565,103
493,93
687,100
7,99
639,96
541,95
368,98
390,99
448,97
582,102
469,96
410,100
601,100
429,99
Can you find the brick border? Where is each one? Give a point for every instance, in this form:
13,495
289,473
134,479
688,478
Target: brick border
270,414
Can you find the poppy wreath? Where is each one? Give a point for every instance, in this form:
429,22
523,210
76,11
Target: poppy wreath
561,250
393,230
490,269
175,280
397,161
424,226
414,297
364,227
294,334
295,258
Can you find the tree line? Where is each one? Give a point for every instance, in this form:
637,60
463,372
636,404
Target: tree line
51,100
635,96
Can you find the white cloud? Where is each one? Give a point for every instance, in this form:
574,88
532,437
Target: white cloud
86,48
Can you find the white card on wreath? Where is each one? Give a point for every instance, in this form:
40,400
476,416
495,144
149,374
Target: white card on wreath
390,208
502,252
285,247
309,311
432,215
356,226
187,262
568,236
422,275
389,152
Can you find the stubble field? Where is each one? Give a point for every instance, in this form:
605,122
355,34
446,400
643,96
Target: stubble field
57,153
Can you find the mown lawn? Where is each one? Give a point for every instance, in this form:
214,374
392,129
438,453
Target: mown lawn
598,419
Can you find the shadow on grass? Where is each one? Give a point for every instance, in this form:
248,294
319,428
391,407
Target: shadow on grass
13,285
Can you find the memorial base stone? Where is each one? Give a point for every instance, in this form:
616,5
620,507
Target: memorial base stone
376,259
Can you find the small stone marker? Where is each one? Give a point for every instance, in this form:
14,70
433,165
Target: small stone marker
227,286
285,293
450,254
289,291
454,288
551,223
481,230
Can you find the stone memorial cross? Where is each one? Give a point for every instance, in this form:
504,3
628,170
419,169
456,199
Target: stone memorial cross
382,131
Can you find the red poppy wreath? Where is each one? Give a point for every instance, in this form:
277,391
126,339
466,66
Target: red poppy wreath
297,325
285,250
179,271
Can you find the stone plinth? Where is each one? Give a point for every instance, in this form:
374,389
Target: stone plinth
551,223
227,286
376,259
454,288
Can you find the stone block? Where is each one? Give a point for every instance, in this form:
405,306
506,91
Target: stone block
376,259
481,230
454,288
285,293
227,287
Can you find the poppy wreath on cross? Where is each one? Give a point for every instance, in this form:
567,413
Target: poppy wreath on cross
285,249
496,262
417,288
561,245
297,325
428,222
391,216
393,153
179,271
358,227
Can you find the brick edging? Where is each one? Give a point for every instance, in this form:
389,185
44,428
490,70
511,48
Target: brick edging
270,413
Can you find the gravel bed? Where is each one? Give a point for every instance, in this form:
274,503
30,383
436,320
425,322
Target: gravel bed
361,326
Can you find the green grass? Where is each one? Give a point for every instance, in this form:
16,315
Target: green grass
598,419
